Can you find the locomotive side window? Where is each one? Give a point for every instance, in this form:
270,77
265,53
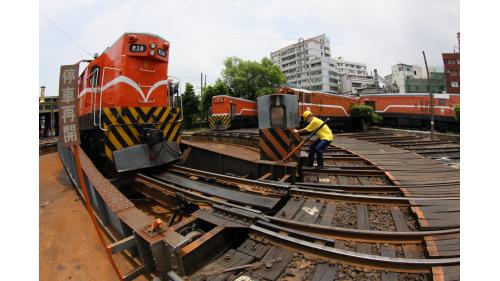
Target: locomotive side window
94,76
278,117
307,98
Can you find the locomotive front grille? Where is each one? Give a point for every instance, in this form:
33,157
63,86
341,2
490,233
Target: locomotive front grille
125,126
219,122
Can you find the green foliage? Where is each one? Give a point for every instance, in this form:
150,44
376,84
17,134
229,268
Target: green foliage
219,88
251,79
457,111
365,115
190,104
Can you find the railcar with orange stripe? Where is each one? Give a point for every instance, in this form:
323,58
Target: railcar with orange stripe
126,108
414,109
230,113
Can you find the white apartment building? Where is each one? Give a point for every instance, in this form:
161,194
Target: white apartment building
307,64
395,82
354,76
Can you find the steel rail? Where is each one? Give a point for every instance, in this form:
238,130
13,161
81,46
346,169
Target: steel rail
354,258
368,199
360,235
165,187
228,178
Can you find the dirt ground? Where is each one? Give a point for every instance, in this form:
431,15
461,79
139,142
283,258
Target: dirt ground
69,246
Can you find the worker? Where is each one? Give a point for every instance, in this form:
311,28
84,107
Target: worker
325,137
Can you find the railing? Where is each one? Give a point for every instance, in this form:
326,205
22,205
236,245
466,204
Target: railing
121,221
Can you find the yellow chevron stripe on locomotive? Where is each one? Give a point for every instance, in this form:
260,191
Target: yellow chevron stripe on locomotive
123,125
219,122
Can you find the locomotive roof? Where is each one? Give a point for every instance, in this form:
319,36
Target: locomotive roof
236,98
144,33
318,92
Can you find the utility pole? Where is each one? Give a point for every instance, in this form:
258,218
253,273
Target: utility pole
201,84
431,95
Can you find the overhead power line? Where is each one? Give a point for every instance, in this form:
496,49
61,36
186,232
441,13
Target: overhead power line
64,33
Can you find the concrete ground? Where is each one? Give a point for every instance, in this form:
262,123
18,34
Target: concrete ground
69,246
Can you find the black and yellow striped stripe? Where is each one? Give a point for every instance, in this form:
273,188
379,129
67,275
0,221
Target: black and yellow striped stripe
219,122
122,125
276,143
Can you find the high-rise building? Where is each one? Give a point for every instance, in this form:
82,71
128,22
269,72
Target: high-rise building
452,69
307,64
353,76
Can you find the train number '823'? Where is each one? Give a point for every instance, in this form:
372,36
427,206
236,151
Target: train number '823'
137,48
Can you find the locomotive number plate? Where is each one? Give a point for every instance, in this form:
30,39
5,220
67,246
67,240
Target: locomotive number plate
162,53
137,48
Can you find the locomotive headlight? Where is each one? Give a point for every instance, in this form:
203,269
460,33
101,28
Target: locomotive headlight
152,52
153,45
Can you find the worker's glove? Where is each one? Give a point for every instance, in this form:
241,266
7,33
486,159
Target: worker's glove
295,131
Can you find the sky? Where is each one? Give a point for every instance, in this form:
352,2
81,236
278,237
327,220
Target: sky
379,33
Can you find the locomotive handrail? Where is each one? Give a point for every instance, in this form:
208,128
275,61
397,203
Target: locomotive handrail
100,97
147,70
182,109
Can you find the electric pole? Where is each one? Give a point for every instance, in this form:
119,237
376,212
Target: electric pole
431,97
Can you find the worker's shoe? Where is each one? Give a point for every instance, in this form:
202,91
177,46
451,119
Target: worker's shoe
319,160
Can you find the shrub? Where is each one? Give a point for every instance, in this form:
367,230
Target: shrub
364,115
457,111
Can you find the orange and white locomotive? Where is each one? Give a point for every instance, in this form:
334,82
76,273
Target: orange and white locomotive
126,107
231,112
397,109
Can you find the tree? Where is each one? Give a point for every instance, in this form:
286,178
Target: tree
251,79
190,104
363,115
219,88
457,111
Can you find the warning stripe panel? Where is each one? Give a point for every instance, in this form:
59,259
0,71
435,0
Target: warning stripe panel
219,122
275,143
122,125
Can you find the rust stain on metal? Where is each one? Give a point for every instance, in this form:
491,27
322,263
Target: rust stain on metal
195,244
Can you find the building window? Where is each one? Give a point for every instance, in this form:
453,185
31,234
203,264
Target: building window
414,72
454,84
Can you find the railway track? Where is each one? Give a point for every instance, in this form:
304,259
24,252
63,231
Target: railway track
445,151
361,233
364,216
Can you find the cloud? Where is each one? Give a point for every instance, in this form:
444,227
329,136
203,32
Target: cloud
203,33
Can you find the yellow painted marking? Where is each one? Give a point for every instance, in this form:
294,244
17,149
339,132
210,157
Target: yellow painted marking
174,131
170,122
135,115
108,153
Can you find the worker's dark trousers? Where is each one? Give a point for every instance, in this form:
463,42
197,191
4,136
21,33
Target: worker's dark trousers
317,148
